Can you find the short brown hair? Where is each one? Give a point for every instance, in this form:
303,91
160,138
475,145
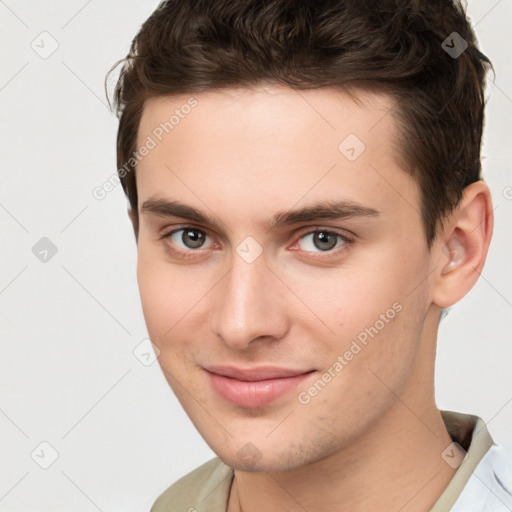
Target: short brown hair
392,46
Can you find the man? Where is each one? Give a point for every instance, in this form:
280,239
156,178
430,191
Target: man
304,185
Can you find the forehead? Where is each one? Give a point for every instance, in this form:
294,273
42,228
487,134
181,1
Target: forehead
256,146
271,110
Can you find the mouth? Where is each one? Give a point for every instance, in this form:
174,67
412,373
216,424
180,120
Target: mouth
254,387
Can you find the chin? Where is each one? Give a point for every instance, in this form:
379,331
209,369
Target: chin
250,459
256,466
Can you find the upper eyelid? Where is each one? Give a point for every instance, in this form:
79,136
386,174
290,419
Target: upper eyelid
326,229
304,230
299,233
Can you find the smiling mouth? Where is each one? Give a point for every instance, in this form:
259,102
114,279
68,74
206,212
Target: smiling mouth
255,387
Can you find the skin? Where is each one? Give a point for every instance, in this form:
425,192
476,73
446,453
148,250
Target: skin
372,438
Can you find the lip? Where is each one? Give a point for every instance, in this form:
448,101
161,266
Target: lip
254,387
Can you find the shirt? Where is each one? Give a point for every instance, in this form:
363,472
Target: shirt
482,482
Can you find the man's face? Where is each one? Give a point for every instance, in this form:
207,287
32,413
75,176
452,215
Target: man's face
341,300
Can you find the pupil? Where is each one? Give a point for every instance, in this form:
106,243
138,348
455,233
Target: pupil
193,238
324,241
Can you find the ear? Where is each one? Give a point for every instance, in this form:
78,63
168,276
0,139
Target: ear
134,219
462,246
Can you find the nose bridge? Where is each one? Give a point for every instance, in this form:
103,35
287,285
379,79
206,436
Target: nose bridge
247,305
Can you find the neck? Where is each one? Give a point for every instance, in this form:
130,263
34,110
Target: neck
381,470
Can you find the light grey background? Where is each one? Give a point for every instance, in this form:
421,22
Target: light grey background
69,326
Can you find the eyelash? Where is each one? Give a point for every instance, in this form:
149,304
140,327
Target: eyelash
191,253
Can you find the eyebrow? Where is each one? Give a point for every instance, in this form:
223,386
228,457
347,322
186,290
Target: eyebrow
334,210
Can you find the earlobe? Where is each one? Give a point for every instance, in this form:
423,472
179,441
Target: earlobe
463,246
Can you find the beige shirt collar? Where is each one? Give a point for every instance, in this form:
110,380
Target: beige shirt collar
471,433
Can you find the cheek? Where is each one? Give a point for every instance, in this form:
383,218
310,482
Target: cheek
347,299
375,302
176,299
166,293
168,299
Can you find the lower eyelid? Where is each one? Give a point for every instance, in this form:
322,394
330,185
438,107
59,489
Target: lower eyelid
184,252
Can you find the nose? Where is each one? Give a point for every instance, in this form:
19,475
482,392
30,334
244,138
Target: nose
249,305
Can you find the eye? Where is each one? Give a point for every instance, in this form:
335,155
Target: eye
321,241
188,238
